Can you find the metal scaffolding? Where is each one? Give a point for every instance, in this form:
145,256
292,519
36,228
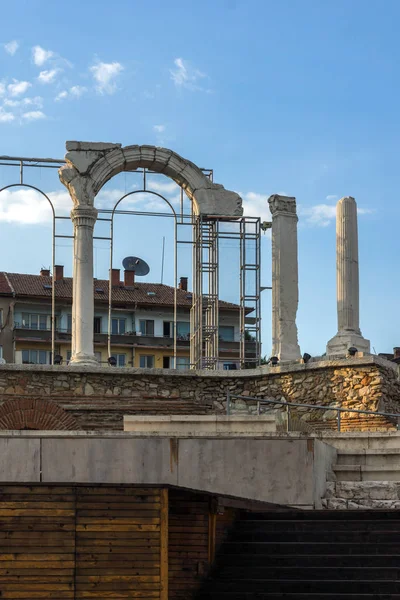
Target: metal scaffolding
204,346
207,233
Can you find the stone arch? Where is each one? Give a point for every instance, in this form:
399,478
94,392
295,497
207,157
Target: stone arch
35,413
90,165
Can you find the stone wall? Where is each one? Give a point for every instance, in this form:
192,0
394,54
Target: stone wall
98,398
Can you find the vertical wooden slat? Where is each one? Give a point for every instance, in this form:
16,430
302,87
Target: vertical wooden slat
164,545
212,531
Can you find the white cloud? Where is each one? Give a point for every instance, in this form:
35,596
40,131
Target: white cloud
159,128
6,117
331,197
105,75
163,187
27,207
256,205
11,47
34,115
48,76
18,87
61,96
320,215
77,90
186,76
36,101
2,89
40,55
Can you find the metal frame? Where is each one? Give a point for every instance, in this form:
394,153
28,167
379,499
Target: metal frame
131,212
206,233
204,346
49,163
290,405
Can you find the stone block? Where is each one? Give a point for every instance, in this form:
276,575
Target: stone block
95,146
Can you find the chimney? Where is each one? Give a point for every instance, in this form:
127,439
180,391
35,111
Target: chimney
183,284
115,277
45,272
129,278
59,272
396,352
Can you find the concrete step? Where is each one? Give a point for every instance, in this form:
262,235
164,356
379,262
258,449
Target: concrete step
306,560
329,524
362,440
283,548
311,573
313,516
320,536
351,472
296,596
389,457
377,586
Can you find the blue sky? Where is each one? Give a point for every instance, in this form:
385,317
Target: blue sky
297,97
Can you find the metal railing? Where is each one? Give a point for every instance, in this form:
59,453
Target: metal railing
260,402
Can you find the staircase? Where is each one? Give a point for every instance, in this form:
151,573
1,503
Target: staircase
365,477
309,555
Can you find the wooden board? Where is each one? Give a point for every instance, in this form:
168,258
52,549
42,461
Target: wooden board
78,542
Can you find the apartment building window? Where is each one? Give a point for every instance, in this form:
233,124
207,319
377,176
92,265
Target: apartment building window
182,362
35,321
1,352
118,326
146,361
146,327
35,357
97,325
168,329
168,362
69,323
182,330
227,333
69,354
121,360
229,366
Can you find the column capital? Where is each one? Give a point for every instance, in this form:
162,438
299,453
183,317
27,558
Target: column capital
84,216
282,205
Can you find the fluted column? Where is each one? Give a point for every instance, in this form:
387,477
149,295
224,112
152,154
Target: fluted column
347,281
84,218
285,285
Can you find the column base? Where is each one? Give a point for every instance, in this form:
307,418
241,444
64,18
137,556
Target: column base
289,353
343,340
84,360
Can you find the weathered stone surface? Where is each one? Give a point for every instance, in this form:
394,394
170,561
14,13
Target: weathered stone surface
347,282
98,398
285,288
91,165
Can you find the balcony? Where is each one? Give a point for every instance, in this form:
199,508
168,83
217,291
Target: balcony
131,338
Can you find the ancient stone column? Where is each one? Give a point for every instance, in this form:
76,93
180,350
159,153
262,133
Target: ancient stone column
347,283
285,287
84,219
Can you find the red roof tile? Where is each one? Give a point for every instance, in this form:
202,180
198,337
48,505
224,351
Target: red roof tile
39,286
4,285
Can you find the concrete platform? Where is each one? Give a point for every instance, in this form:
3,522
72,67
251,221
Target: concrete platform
202,425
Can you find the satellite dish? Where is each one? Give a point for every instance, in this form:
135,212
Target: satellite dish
138,265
